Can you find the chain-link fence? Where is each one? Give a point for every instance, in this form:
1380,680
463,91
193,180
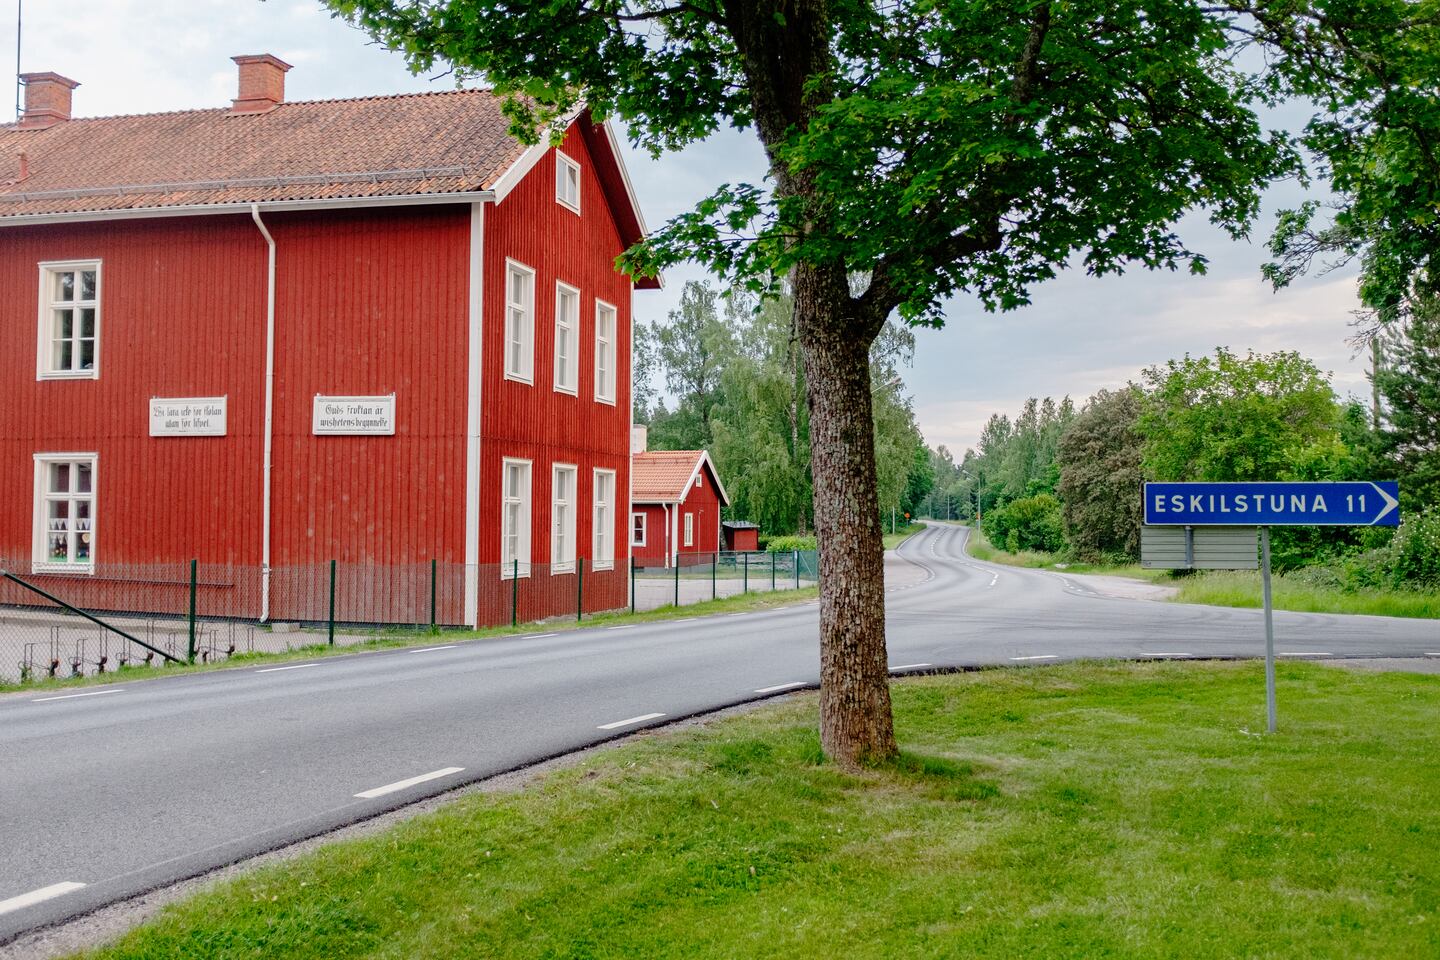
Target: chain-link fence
118,616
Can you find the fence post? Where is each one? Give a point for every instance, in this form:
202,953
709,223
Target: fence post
632,583
332,603
745,573
515,592
772,573
579,589
190,652
714,566
797,569
434,571
677,579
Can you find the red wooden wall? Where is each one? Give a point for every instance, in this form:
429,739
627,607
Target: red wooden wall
534,422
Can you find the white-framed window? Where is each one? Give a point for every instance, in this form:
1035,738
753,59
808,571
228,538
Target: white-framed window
562,519
689,529
65,512
637,529
519,322
604,352
567,338
567,182
69,340
699,479
515,519
602,521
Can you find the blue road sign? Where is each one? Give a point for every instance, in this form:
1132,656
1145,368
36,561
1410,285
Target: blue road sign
1357,504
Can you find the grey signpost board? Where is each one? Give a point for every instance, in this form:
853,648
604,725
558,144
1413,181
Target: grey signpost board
1212,526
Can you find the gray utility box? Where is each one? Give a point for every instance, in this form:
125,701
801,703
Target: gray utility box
1199,548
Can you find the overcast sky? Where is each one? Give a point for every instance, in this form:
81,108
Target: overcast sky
1080,334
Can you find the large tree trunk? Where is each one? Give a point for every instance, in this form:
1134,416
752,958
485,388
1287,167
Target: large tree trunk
855,719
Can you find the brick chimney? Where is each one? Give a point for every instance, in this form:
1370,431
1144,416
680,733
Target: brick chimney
262,83
47,100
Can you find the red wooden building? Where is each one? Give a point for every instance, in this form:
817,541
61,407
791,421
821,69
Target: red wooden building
275,334
675,507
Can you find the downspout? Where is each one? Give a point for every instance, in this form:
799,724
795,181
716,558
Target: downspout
269,414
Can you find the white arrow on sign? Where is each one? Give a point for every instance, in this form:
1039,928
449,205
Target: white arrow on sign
1390,503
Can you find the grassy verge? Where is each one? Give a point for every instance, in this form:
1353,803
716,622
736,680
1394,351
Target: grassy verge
982,549
1236,588
1241,588
1081,810
407,637
893,540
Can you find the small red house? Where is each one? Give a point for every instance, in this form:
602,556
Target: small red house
741,536
675,504
278,334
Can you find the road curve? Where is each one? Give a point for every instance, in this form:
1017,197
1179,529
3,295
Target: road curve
107,792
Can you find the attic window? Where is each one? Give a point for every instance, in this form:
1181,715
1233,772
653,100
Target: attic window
699,480
567,182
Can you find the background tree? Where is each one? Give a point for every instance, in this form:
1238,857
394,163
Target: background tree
1099,458
1410,383
927,149
692,350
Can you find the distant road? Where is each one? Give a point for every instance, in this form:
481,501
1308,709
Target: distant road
106,792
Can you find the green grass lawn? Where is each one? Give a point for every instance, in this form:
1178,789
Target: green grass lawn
411,637
982,549
1090,810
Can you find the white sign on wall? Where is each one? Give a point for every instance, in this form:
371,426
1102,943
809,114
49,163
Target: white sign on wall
354,416
188,416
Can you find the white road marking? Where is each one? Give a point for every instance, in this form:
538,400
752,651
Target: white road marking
538,636
625,723
781,686
623,626
684,620
72,696
297,666
1303,653
1170,654
402,784
38,896
1042,656
910,666
1432,653
994,579
450,646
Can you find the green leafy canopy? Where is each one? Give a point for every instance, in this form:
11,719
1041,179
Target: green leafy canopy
943,146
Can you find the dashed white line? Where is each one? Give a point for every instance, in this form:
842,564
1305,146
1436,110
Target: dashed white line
38,896
448,646
684,620
911,666
1303,653
402,784
625,723
623,626
297,666
781,686
72,696
1042,656
537,636
994,579
1432,653
1169,654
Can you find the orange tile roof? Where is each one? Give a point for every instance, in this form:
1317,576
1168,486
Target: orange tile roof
660,476
412,144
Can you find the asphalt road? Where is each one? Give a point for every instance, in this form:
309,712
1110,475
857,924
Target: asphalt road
106,792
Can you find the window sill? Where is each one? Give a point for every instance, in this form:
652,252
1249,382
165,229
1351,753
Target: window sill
608,401
603,566
516,378
568,391
562,568
68,375
73,569
573,208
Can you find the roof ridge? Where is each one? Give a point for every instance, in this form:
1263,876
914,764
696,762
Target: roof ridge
279,106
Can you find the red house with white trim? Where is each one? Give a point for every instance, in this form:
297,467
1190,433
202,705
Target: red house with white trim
273,335
675,507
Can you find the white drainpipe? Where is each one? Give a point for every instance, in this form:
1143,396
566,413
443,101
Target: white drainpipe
269,415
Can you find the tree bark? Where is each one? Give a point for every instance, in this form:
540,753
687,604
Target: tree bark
856,725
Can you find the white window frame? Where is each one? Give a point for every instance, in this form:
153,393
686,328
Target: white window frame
562,518
605,347
567,174
523,500
40,559
689,540
45,331
519,323
602,521
644,519
567,369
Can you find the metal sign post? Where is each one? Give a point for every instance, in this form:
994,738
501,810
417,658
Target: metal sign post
1197,526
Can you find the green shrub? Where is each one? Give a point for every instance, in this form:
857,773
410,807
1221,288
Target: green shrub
789,544
1030,523
1415,551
